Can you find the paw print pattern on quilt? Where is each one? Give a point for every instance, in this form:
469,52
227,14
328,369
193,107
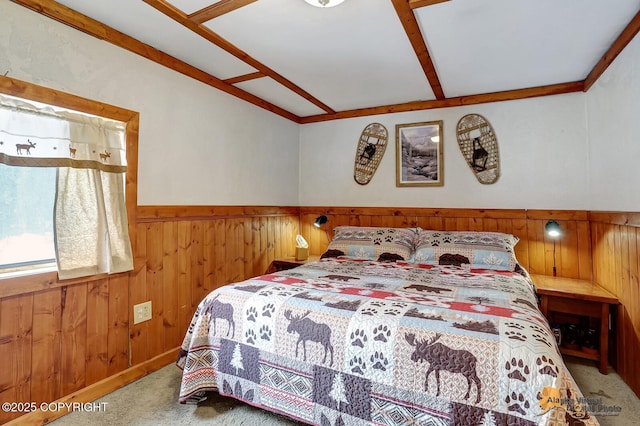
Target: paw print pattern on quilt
522,374
518,403
381,333
517,370
379,361
265,333
359,338
260,312
547,366
370,344
250,337
527,333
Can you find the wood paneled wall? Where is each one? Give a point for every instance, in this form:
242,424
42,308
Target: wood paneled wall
71,335
57,341
189,252
60,337
535,249
616,266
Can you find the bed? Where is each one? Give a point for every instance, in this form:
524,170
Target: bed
393,326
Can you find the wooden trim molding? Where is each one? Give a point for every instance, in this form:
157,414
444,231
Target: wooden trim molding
576,215
509,95
245,77
178,16
579,215
411,27
217,9
612,53
99,389
172,213
24,89
32,283
616,218
70,17
404,9
414,4
417,211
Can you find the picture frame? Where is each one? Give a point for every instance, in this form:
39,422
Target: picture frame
419,154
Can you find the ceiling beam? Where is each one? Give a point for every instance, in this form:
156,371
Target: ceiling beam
414,4
67,16
218,9
618,46
179,16
411,27
70,17
509,95
241,78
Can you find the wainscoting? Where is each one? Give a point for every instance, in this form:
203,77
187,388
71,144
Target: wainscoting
57,341
57,338
616,266
535,249
190,251
60,339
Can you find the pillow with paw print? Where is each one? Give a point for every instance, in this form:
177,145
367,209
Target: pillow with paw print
372,243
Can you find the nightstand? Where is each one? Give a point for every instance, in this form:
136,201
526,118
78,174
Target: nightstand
288,263
581,298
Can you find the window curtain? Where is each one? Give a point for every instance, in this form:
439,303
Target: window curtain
90,218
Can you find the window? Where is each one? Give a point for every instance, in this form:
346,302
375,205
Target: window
47,215
26,217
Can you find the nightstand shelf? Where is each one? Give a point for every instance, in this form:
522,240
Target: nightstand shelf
582,354
581,298
285,263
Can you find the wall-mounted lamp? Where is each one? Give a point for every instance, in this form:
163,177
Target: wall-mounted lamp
553,231
320,220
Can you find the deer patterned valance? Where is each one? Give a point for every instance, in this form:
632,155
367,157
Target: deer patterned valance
37,135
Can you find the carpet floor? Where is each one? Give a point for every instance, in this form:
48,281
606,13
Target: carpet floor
153,400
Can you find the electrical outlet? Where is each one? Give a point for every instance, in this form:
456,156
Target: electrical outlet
142,312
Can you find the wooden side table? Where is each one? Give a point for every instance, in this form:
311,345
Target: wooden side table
288,263
582,298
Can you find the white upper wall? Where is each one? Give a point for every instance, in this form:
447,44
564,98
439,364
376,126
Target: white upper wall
542,148
197,146
613,105
201,146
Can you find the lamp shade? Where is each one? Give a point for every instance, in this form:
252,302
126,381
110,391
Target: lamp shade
552,229
324,3
320,220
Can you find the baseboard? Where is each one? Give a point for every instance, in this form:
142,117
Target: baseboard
98,389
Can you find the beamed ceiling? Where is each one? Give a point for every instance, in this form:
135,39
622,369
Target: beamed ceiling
366,57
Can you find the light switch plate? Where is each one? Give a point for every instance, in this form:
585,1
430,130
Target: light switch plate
142,312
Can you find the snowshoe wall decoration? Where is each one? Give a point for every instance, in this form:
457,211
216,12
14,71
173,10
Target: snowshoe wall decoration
479,147
371,147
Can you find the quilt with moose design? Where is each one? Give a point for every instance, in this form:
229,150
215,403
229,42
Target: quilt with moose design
353,342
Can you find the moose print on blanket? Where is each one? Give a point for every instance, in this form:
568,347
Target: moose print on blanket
308,329
441,357
217,309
